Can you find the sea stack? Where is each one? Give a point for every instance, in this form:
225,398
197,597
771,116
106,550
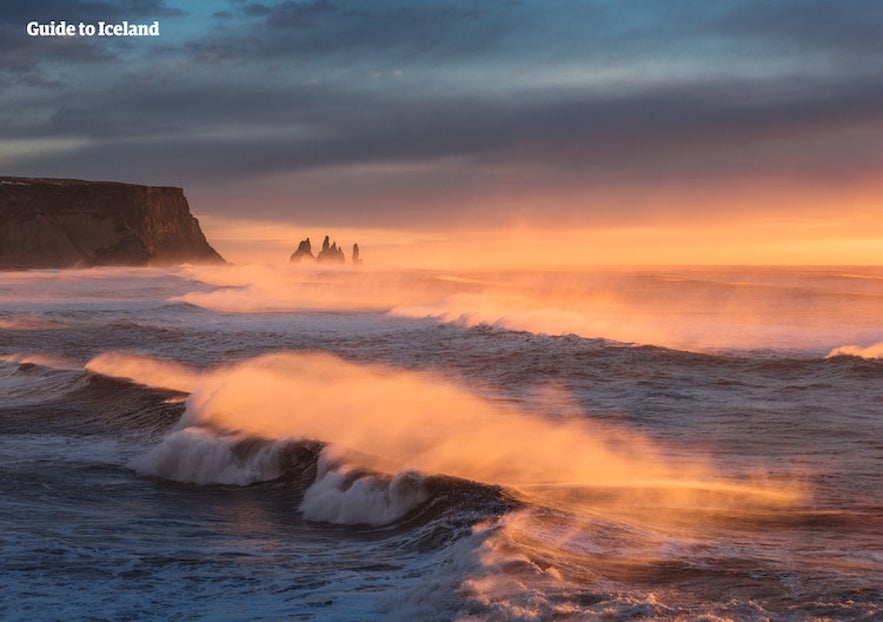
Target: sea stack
67,223
304,251
330,252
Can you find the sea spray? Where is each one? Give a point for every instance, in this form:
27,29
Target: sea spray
873,351
393,421
146,370
698,309
80,528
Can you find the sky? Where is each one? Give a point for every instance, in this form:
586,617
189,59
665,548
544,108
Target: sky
532,131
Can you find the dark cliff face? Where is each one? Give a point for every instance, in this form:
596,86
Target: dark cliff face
62,223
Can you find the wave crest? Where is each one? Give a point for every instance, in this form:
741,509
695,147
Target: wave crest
146,370
874,351
389,422
341,498
198,456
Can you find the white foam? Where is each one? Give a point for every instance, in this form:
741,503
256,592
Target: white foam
336,498
198,456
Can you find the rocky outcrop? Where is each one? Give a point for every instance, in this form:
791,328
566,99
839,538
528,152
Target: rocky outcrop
330,253
61,223
304,251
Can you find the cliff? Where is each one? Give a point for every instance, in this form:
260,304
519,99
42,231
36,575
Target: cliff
62,223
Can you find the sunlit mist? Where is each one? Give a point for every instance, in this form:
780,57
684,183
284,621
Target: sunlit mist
690,226
394,421
687,308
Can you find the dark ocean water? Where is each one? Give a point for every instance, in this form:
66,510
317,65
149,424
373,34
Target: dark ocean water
263,443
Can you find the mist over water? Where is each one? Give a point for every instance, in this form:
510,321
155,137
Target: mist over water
282,441
699,309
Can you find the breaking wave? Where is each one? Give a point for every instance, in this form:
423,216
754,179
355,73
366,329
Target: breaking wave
394,427
874,351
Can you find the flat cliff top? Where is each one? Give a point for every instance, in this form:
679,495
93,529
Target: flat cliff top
53,181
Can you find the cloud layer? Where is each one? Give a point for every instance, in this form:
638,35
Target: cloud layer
371,109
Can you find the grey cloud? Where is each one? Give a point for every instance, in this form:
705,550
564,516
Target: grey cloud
22,54
549,31
847,27
22,11
261,116
329,31
642,134
256,9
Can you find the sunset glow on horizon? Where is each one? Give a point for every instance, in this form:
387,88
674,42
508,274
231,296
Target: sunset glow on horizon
759,241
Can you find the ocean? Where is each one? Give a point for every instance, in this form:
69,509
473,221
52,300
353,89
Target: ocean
296,443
